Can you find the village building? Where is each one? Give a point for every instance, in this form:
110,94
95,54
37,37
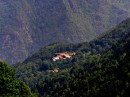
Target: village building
63,56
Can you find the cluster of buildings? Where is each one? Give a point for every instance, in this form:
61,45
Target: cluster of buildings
63,55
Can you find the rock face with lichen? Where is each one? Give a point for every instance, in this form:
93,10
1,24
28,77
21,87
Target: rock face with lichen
28,25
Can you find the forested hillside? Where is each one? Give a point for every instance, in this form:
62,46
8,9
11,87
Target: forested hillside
107,77
92,65
28,25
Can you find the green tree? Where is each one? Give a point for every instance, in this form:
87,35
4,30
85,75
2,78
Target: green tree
9,85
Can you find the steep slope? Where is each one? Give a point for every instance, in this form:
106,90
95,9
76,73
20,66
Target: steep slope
36,68
28,25
15,35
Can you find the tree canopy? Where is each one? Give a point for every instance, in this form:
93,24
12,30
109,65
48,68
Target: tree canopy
9,85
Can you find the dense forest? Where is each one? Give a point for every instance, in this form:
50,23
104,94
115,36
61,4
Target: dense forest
107,76
99,68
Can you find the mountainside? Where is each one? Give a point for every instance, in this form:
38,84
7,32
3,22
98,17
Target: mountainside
28,25
109,76
40,66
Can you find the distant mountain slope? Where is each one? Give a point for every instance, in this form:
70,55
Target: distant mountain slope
36,68
28,25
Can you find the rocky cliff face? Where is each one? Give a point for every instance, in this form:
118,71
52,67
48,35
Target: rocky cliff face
28,25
